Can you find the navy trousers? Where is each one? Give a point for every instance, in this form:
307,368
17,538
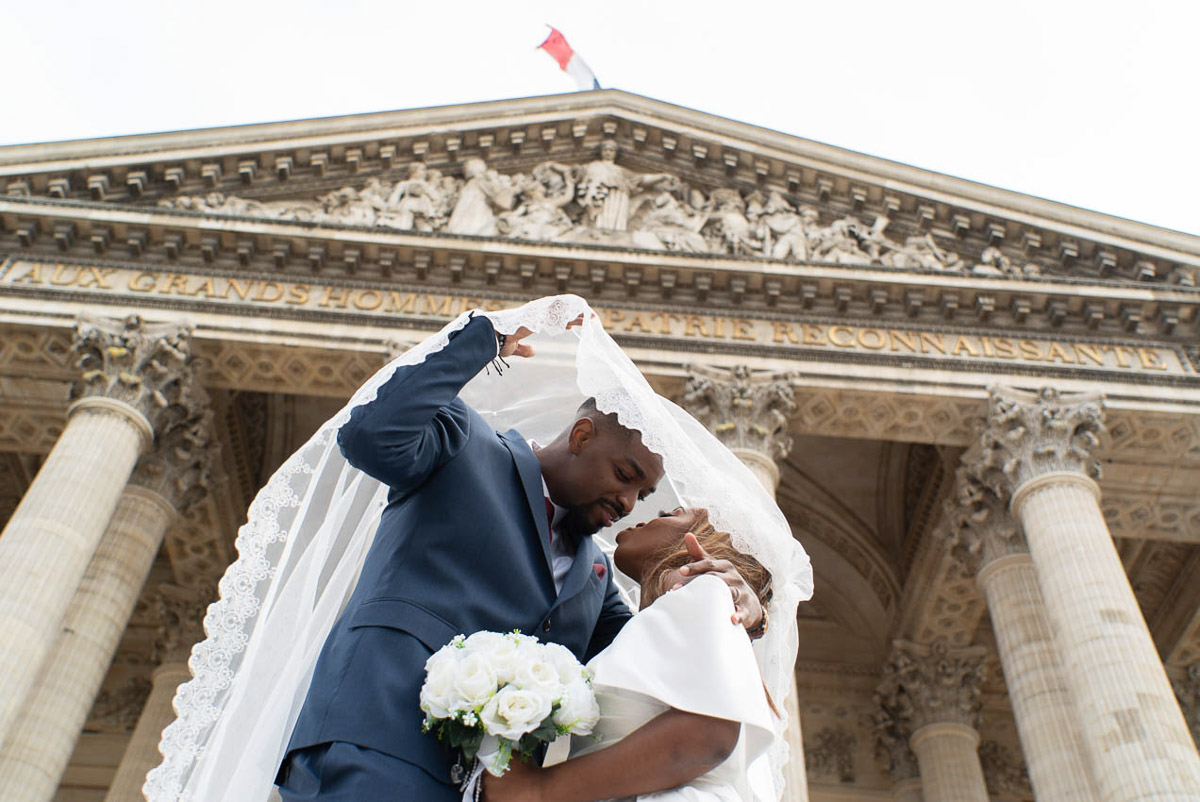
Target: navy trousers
343,772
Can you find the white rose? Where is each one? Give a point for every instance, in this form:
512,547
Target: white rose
438,694
538,674
503,653
578,711
474,681
483,641
513,712
564,662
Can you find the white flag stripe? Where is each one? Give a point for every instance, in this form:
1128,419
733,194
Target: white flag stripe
582,74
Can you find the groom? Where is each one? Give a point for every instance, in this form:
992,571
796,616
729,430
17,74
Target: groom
480,533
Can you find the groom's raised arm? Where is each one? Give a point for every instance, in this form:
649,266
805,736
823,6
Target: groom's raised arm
416,422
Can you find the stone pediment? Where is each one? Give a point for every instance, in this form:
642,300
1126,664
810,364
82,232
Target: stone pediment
601,169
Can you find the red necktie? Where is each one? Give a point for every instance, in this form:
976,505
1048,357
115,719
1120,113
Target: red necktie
550,518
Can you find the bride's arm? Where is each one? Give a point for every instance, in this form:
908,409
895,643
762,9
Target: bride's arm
668,751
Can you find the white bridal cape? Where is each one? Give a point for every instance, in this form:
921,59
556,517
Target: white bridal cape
309,529
682,652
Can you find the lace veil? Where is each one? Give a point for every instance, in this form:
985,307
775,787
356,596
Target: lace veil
309,529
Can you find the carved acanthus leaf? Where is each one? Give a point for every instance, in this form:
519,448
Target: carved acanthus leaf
745,410
145,365
118,709
981,527
177,468
181,620
928,684
832,754
1031,434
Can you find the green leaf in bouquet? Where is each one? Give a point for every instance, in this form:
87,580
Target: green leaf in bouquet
546,731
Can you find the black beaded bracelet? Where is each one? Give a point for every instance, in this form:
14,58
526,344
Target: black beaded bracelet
501,339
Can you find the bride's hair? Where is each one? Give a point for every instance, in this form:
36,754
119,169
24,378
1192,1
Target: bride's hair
719,546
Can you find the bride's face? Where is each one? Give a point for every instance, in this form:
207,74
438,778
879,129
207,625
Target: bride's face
639,544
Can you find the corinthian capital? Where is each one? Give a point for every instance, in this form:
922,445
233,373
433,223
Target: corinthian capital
177,468
747,411
981,527
181,621
144,365
1032,434
930,684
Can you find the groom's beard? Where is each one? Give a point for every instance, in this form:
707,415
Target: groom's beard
578,522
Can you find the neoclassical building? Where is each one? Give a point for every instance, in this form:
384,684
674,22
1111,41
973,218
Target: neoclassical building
980,412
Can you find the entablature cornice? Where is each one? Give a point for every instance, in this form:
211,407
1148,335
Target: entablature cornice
289,160
165,241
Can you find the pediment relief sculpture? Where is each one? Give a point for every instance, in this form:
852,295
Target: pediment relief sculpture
603,202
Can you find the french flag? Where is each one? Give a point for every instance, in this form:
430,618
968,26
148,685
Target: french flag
568,60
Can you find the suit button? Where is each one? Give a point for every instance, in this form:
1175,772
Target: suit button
546,626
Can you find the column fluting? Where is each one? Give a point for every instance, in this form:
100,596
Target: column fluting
128,382
1038,451
40,744
988,540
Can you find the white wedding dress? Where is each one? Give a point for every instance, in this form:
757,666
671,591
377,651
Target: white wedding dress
682,652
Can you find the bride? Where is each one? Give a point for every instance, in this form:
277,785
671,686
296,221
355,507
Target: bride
308,531
681,703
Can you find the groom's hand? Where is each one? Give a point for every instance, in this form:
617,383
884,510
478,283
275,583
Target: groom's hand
514,347
747,610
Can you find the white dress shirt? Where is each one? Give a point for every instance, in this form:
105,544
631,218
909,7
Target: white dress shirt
562,550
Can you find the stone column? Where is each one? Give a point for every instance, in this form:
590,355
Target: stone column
934,693
749,412
182,626
131,378
165,481
987,538
1037,452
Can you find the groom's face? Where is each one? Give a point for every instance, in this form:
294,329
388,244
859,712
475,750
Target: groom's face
608,473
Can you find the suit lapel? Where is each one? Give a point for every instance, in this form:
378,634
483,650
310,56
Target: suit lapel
530,472
581,570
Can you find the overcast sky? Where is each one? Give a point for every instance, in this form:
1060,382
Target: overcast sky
1094,104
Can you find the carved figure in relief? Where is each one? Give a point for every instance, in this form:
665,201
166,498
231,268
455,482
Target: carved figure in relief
410,205
728,226
605,190
785,234
664,222
921,251
604,202
993,262
343,206
839,242
539,215
484,193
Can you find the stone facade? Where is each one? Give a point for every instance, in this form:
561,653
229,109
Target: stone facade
980,412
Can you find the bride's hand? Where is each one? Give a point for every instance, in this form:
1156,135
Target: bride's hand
521,783
747,609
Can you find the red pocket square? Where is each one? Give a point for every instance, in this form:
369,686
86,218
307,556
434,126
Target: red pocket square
600,568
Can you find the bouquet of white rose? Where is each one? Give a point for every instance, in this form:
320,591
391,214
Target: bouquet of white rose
491,695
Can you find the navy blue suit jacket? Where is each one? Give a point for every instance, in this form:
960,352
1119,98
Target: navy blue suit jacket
462,546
